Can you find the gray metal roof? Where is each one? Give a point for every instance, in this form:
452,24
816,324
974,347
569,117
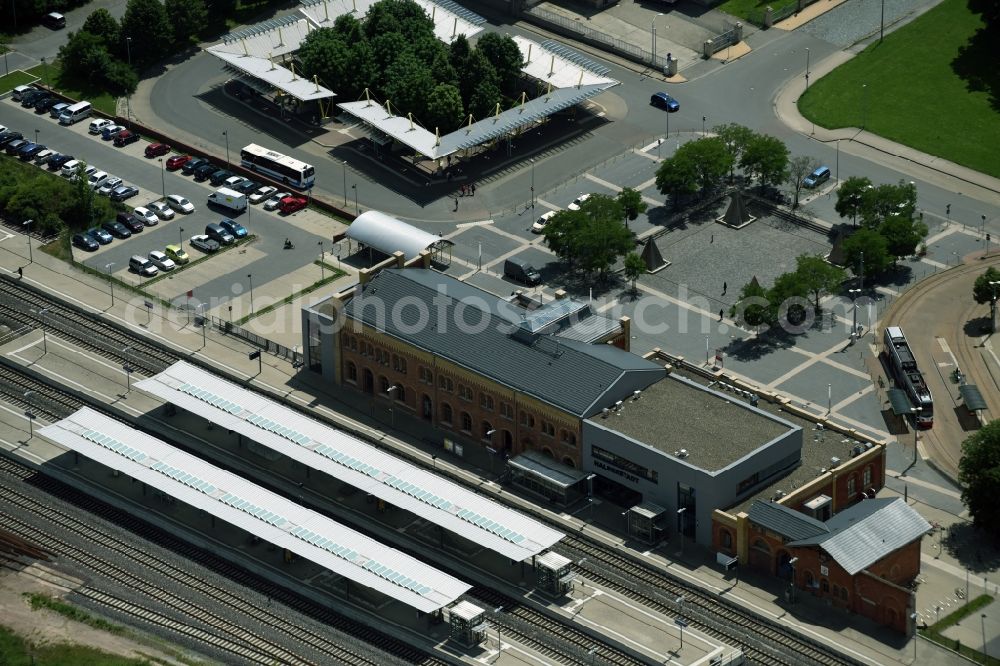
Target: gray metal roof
256,510
464,324
787,522
555,473
387,234
899,400
972,397
862,534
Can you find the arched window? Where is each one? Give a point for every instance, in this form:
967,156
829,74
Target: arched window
852,485
547,452
866,479
352,372
466,422
825,586
727,539
398,392
446,414
485,429
569,462
567,437
383,384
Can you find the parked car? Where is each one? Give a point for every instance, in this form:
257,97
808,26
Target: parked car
45,105
29,98
156,150
233,227
191,164
30,152
142,265
71,169
220,176
123,192
162,261
110,185
133,225
54,21
275,200
539,225
116,229
111,131
57,109
292,204
177,254
100,235
218,234
819,176
21,91
146,216
125,137
98,178
89,171
180,204
262,193
578,202
664,101
98,126
85,242
233,182
520,270
247,186
15,146
177,161
204,171
44,156
204,243
57,161
162,210
8,136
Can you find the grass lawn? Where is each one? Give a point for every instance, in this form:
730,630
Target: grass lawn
744,8
14,79
18,651
914,95
51,74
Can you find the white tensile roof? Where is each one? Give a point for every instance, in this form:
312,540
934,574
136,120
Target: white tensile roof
258,511
450,19
387,234
352,460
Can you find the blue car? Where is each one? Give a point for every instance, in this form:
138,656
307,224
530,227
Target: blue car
233,227
665,101
819,176
100,235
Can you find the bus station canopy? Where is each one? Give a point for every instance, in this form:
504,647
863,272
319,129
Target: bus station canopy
388,235
972,397
899,401
260,512
450,19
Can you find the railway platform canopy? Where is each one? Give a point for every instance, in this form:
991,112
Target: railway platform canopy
387,234
353,461
260,512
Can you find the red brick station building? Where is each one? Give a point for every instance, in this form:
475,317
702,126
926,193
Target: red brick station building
552,393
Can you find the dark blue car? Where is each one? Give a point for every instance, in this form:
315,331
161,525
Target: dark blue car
100,235
665,101
233,227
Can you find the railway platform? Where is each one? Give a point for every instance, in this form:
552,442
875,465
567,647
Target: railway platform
275,376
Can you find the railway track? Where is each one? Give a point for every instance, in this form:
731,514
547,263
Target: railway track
762,641
945,452
771,641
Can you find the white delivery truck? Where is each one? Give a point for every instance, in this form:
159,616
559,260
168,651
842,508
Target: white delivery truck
229,199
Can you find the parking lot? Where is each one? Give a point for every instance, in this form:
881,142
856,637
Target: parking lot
216,280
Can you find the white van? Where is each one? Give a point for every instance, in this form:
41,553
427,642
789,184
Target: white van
71,168
228,199
75,113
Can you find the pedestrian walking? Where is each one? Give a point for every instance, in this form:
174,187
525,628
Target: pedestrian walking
456,203
713,239
473,188
20,272
720,313
725,287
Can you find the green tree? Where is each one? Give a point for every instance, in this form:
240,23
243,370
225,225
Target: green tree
737,138
459,52
872,246
634,267
505,56
788,299
753,307
798,168
146,23
189,19
631,203
850,195
902,235
409,84
697,165
592,238
817,276
118,78
477,72
399,16
84,56
880,203
325,54
979,474
766,159
982,290
104,26
444,108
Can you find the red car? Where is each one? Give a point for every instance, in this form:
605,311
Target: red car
289,205
157,149
177,161
126,137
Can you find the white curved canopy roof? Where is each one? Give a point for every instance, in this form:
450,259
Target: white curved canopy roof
387,235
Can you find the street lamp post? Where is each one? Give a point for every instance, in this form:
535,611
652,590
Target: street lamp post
864,105
31,258
322,255
128,370
532,183
914,411
496,612
807,68
392,412
914,616
111,284
680,526
45,75
792,562
652,55
28,414
703,119
492,451
225,134
345,182
854,306
180,237
128,97
357,209
36,136
41,317
163,182
250,278
993,306
982,624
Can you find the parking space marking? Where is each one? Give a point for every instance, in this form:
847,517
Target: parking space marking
616,188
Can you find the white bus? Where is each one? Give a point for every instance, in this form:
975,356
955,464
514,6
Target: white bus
77,112
288,170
